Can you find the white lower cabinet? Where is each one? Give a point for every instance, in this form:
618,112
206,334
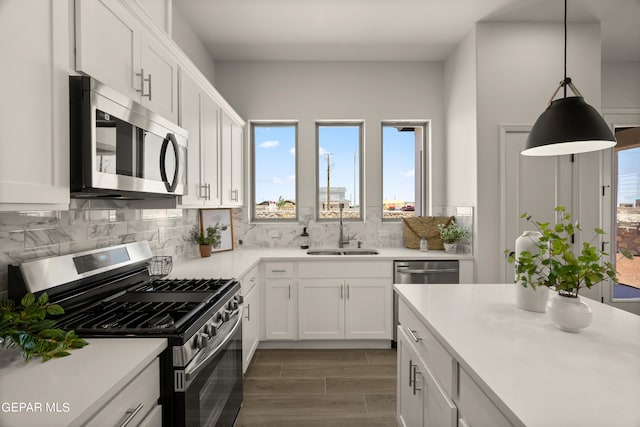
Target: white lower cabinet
280,309
421,400
136,404
250,326
355,304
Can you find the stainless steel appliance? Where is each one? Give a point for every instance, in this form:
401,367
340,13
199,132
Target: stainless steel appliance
120,149
109,293
424,272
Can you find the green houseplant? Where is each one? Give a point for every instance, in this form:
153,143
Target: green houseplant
555,265
26,326
208,238
451,234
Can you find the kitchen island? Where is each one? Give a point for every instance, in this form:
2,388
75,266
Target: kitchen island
499,364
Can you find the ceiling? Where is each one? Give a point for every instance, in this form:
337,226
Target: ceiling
386,30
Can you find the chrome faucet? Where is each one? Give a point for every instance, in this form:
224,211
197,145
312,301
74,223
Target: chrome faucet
341,238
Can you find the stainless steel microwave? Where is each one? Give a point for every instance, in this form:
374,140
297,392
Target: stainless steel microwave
120,149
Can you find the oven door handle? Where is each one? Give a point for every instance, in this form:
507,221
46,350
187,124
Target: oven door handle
191,372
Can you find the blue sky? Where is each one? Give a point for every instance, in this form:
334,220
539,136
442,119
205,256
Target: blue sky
628,175
275,162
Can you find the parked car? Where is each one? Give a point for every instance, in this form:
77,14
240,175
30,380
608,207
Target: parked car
408,208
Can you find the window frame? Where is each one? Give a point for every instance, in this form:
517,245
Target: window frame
340,123
252,149
425,164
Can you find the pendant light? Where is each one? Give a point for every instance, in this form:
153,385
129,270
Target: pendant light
569,125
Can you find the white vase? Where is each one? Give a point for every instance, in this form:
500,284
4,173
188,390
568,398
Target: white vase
450,248
529,298
569,313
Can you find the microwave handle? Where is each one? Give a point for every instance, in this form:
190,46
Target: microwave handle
163,168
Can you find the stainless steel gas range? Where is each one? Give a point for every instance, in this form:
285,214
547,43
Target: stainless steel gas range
109,293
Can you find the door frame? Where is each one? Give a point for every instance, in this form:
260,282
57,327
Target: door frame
614,118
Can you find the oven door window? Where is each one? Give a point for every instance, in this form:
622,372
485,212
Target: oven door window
214,397
126,150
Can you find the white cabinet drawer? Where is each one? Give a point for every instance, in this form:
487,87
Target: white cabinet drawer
440,362
249,280
154,419
475,406
274,270
345,269
142,390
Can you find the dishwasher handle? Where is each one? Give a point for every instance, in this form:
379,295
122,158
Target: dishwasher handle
426,270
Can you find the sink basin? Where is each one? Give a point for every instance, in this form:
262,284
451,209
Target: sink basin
324,252
342,252
360,252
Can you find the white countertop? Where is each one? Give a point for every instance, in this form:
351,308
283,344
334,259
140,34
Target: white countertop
237,262
80,383
545,376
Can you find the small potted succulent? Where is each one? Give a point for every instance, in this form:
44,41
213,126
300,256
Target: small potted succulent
451,234
555,265
208,238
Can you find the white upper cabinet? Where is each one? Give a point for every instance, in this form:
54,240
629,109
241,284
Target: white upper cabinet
231,139
34,117
116,49
199,115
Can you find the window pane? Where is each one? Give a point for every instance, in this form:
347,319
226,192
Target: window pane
274,154
339,170
628,223
401,170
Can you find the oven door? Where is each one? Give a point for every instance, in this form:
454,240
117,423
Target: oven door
213,381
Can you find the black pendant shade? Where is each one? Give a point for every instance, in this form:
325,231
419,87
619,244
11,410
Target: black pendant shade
568,126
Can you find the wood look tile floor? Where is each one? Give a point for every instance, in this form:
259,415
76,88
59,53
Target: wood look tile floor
320,388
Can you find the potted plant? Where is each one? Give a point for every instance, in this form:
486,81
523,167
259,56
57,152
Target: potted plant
208,238
555,265
451,234
26,327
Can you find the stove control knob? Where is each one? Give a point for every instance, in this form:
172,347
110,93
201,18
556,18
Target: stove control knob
233,305
226,315
202,340
210,330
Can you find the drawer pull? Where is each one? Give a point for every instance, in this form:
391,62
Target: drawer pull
278,271
413,335
131,413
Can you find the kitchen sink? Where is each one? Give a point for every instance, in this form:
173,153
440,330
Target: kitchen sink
342,252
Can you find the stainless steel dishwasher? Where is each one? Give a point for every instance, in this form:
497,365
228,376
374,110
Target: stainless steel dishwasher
421,273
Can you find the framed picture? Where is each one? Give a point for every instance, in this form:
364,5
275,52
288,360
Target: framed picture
224,220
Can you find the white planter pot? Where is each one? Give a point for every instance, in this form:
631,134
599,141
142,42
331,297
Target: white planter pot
450,248
569,314
532,299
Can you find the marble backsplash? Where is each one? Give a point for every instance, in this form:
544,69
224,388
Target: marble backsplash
37,234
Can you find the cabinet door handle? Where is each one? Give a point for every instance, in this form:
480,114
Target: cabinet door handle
413,335
347,291
248,313
289,291
341,291
411,365
234,195
141,75
149,94
130,415
415,379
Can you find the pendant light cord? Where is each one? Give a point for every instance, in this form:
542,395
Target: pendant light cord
565,49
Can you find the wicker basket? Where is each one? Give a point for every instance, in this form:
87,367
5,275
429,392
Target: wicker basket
414,229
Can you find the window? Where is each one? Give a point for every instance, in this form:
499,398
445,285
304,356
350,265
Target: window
339,154
273,146
403,170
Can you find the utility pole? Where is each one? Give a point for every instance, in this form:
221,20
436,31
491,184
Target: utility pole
328,181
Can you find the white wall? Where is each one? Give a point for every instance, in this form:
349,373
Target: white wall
460,93
519,66
621,85
191,44
310,91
